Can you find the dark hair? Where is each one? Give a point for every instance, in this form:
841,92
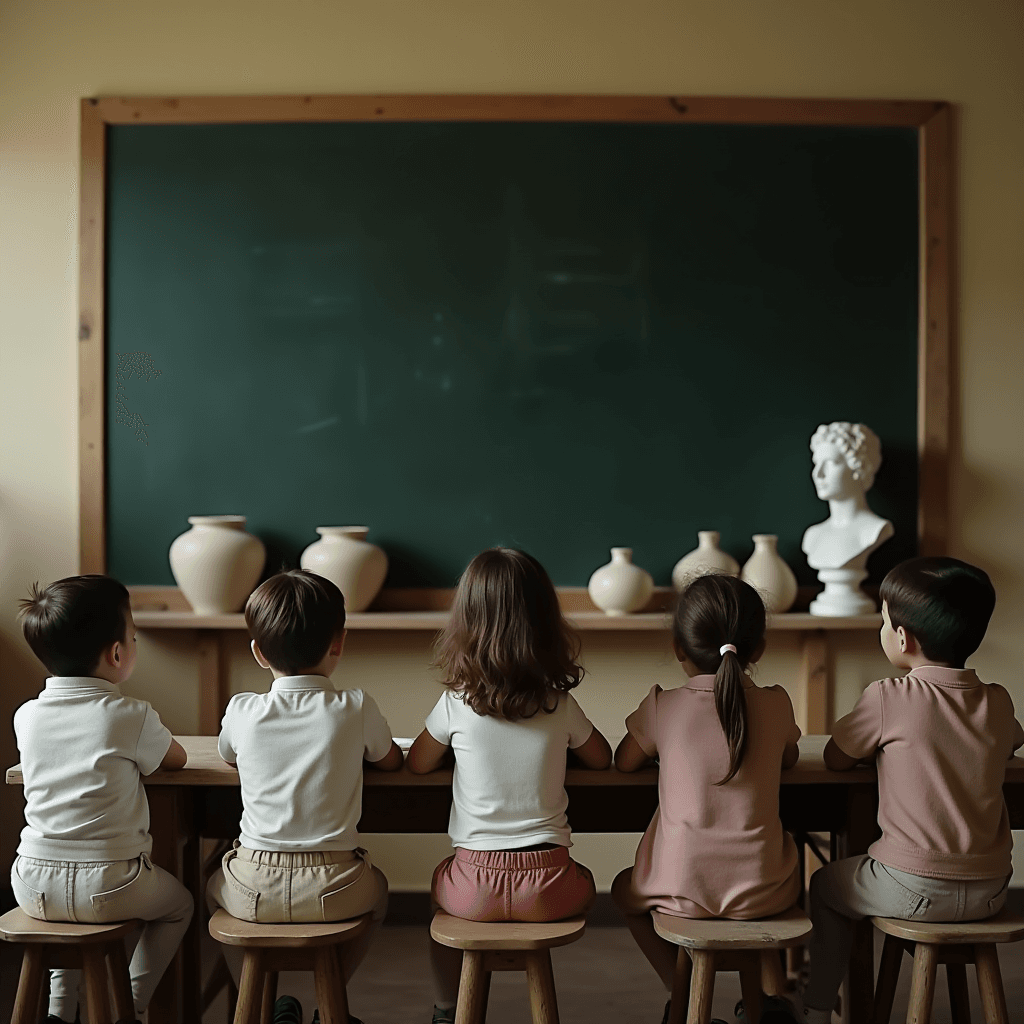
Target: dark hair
507,646
70,623
293,617
943,602
713,611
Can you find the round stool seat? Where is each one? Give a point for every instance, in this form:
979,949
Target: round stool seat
233,932
504,935
1003,927
17,926
789,928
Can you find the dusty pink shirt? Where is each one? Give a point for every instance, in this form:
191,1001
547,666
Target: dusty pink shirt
943,739
715,851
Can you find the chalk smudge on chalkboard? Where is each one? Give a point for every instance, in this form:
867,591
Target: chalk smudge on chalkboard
129,364
309,428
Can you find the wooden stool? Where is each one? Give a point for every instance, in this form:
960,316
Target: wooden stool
749,947
270,948
505,946
91,947
954,944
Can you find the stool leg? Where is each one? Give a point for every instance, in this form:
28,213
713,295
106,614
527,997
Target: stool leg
120,982
702,986
541,979
922,985
269,997
472,989
250,989
330,987
773,976
750,986
959,1000
990,984
96,992
30,986
680,988
888,976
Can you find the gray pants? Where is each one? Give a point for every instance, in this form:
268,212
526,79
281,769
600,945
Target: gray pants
99,893
849,890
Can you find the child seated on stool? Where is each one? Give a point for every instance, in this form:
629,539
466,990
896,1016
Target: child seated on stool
299,750
84,746
940,739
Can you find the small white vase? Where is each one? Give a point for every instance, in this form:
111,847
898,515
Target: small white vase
769,575
620,587
706,558
216,564
344,556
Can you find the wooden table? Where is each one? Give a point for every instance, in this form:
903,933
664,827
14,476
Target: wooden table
203,800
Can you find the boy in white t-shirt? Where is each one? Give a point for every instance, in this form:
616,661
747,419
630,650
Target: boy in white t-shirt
84,746
300,751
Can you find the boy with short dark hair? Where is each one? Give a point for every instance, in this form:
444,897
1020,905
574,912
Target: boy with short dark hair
300,751
940,739
84,746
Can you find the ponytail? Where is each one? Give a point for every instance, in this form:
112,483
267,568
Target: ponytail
719,623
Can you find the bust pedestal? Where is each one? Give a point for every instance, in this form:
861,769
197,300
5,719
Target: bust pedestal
842,594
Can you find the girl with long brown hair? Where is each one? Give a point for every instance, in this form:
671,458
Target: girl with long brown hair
509,660
716,846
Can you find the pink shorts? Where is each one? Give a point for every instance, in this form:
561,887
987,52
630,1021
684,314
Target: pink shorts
496,885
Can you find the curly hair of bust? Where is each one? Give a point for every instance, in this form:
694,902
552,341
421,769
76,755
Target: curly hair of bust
859,444
507,649
712,611
70,623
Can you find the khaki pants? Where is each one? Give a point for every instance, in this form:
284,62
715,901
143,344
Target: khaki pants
101,892
272,887
850,890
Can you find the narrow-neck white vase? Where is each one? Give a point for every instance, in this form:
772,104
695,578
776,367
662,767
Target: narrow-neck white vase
216,564
706,558
344,556
769,575
620,587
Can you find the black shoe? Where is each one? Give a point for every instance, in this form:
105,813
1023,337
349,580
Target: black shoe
443,1016
287,1010
351,1019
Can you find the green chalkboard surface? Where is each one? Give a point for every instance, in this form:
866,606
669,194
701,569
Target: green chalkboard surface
560,337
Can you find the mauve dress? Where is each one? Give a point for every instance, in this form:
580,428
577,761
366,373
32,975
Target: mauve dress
715,851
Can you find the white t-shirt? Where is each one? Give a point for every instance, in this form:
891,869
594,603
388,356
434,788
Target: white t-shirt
508,788
84,748
299,751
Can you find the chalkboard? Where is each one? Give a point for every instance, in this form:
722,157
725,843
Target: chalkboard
556,336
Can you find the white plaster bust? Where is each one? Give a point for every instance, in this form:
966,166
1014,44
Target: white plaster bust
846,457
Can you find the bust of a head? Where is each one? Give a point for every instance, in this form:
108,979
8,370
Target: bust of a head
846,458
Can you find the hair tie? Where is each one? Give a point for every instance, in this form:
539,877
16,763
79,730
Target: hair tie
726,647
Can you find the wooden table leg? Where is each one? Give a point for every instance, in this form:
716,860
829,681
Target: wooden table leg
213,680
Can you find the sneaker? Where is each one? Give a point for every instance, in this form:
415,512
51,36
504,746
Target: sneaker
287,1010
443,1016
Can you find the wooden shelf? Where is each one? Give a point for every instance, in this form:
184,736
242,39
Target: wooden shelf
435,620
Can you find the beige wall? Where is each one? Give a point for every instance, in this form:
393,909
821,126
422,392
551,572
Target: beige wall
54,51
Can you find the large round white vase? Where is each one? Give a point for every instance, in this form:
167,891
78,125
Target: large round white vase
620,587
216,564
344,556
706,558
769,575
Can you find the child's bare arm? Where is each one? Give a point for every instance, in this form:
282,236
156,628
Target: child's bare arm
426,754
836,759
175,756
630,756
595,752
790,756
390,762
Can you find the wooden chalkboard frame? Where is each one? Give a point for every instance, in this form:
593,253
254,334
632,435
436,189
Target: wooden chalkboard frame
932,120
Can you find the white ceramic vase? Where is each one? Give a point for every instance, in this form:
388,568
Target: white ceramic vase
769,575
216,564
620,587
344,556
706,558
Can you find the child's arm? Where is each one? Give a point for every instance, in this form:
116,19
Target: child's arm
836,759
790,756
426,754
630,756
595,752
175,756
390,762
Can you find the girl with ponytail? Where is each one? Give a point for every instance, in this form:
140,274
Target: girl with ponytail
716,846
